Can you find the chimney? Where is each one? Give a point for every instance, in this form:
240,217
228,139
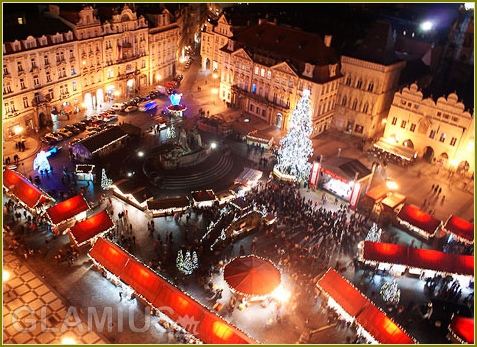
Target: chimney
327,40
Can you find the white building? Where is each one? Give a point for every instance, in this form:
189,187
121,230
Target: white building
440,131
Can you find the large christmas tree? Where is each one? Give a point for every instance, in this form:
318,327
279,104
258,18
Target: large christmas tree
296,147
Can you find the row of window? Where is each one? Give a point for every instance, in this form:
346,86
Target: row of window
432,133
359,84
445,116
354,104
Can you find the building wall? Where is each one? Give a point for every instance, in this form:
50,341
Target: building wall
441,131
90,64
365,96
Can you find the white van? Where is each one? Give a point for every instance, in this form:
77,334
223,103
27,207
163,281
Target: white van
118,106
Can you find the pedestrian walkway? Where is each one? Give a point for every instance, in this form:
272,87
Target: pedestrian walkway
34,313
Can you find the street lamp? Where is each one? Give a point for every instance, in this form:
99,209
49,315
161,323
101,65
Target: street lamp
5,278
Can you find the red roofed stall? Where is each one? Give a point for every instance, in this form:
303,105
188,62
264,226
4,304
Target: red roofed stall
63,212
427,259
162,295
462,329
461,229
375,322
95,226
26,192
418,221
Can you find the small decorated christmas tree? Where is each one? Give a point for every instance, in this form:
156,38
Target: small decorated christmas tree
105,181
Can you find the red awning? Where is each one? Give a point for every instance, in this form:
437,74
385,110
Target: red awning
84,231
460,228
67,209
418,218
344,293
419,258
385,252
209,328
24,190
109,255
381,327
371,318
463,328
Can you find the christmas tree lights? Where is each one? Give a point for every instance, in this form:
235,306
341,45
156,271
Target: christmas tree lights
390,292
187,264
105,181
296,147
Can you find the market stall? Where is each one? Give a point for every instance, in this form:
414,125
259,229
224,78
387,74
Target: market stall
405,153
418,221
372,322
128,190
83,233
85,172
66,211
162,207
203,198
163,297
419,259
460,229
462,330
249,177
343,177
254,138
30,196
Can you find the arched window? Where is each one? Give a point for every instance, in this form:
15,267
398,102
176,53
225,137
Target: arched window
355,104
365,108
359,84
348,81
370,86
343,101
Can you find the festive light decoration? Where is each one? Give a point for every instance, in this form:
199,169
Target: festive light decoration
390,292
296,147
187,264
105,181
374,234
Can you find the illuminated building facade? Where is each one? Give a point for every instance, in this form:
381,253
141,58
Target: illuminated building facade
441,131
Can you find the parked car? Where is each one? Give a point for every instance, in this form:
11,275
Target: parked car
81,126
72,128
55,136
64,132
130,109
91,131
119,106
147,105
111,118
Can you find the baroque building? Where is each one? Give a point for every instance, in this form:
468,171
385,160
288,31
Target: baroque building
264,69
79,60
440,131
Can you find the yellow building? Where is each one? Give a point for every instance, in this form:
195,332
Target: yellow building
440,131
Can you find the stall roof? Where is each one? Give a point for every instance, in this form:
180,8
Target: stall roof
463,327
344,293
99,141
162,204
378,193
346,168
385,252
204,195
156,290
460,228
84,231
372,319
418,218
393,200
419,258
381,327
396,149
248,175
67,209
24,190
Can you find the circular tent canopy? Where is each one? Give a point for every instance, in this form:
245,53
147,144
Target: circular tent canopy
251,275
